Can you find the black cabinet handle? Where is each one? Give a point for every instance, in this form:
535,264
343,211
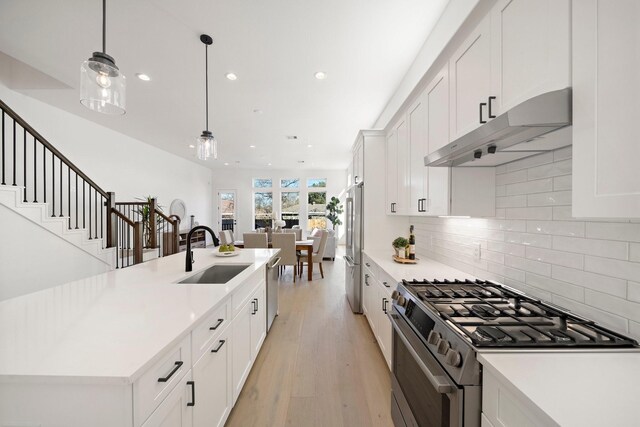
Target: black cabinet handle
215,350
255,305
481,105
393,207
491,116
385,285
193,393
367,264
366,279
384,305
355,179
177,366
217,325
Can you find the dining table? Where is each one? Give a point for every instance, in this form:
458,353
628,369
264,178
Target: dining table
301,245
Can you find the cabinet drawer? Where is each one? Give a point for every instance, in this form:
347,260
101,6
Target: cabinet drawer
158,381
243,293
204,334
369,264
387,282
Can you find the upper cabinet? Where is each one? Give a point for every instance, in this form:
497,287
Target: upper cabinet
358,161
606,95
530,50
519,50
397,169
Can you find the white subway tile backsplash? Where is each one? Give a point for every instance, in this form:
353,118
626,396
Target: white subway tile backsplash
597,282
531,266
555,257
545,213
562,167
558,228
534,244
555,198
603,248
612,267
556,287
530,187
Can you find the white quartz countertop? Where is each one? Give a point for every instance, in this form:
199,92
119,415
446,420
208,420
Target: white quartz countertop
425,268
109,327
574,388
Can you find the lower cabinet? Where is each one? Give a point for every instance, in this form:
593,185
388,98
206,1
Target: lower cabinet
376,299
177,408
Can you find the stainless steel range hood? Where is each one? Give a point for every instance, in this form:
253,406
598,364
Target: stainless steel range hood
525,130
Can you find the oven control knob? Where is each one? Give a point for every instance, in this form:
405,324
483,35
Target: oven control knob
402,301
433,338
443,346
453,358
395,295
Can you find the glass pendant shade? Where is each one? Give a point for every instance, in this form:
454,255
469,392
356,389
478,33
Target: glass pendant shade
206,146
102,85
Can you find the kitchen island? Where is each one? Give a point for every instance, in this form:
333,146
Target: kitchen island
82,352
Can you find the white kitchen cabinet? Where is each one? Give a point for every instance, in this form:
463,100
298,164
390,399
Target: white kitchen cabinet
212,378
368,296
418,148
530,50
397,170
358,161
176,410
258,321
606,101
377,301
470,77
391,172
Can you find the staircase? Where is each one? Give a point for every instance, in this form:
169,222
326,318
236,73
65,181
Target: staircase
41,184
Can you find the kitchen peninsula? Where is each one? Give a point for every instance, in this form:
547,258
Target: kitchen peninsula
133,346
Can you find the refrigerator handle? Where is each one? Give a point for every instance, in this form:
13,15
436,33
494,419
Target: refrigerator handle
349,222
349,261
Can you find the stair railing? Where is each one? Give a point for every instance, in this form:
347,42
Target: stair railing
47,176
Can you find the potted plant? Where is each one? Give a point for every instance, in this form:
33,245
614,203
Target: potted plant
400,245
334,208
144,211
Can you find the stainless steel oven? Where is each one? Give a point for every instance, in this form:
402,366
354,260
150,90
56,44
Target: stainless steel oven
423,394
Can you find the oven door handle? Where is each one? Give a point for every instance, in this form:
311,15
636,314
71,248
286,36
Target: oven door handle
442,387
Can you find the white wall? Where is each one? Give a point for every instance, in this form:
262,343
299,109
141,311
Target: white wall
241,180
116,162
589,266
32,258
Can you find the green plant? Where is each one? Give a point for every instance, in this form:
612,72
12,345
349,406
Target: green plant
334,208
400,243
145,213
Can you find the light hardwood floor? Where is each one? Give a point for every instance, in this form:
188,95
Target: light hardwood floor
319,365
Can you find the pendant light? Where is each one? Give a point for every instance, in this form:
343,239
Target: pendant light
206,144
102,85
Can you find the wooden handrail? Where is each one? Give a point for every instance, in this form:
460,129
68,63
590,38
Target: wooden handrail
123,217
166,218
8,111
131,203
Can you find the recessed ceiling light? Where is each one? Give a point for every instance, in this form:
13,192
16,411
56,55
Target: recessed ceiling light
252,146
192,146
143,77
231,76
226,164
309,146
268,164
320,75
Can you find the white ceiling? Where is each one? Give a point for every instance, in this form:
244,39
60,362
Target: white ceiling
274,46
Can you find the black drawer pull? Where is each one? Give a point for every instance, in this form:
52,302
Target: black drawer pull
255,305
193,393
384,305
177,366
217,325
215,350
482,104
491,116
385,285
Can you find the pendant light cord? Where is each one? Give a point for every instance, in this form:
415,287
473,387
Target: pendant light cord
206,81
104,26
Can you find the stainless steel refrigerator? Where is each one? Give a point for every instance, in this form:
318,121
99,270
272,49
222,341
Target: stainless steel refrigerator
354,237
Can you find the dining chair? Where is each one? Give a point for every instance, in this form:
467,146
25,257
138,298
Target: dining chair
296,231
286,242
319,244
255,240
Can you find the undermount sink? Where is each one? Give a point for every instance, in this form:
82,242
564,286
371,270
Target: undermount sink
217,274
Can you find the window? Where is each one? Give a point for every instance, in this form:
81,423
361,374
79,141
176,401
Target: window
262,183
263,209
289,183
317,182
317,208
290,207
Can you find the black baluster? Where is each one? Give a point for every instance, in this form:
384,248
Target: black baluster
117,234
24,165
102,208
89,212
14,152
60,188
128,240
83,206
35,175
77,190
95,206
3,183
44,173
69,195
53,184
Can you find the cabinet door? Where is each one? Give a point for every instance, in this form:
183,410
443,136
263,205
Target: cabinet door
383,324
470,76
258,321
606,101
402,134
418,148
392,172
369,291
175,409
436,103
531,50
241,347
212,377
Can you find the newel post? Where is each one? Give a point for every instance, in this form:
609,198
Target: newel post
112,224
138,242
153,223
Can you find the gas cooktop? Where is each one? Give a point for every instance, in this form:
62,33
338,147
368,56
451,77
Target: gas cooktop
491,315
